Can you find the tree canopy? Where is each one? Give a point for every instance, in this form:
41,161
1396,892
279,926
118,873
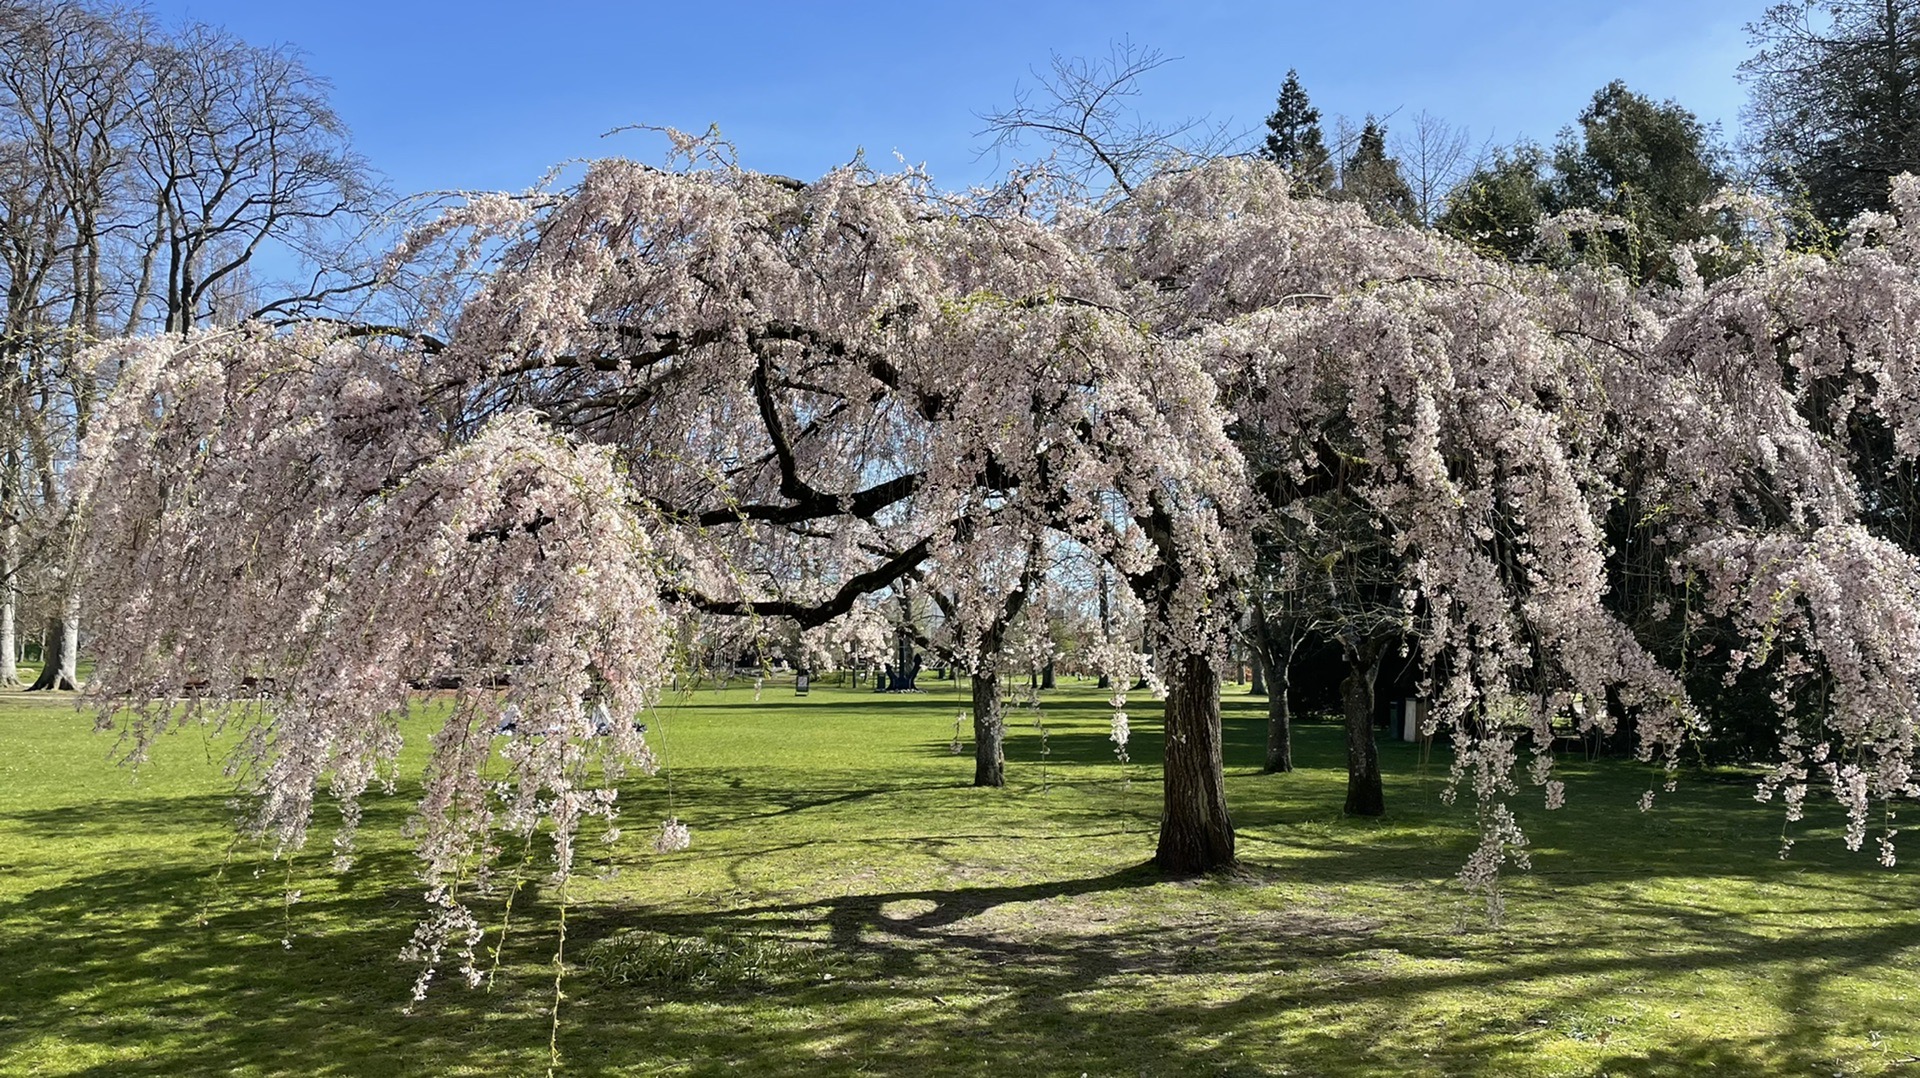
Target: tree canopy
703,391
1834,112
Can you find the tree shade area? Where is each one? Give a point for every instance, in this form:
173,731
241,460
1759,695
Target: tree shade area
890,918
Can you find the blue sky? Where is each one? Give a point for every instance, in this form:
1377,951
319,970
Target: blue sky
488,95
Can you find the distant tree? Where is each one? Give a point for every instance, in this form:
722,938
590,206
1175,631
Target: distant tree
1498,206
1294,141
1434,157
142,172
1372,177
1079,109
1650,164
1834,111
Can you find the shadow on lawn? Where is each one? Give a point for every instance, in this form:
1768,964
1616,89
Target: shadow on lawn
918,989
1057,976
1066,970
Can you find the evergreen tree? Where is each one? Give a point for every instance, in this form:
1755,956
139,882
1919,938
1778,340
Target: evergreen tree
1650,164
1371,176
1497,208
1294,140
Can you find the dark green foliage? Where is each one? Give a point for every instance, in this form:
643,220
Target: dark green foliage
1294,140
1498,206
1373,177
1650,164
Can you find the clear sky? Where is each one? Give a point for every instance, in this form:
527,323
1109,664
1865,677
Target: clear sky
488,95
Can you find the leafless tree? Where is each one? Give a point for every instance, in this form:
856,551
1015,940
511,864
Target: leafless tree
1082,109
240,148
1434,155
142,173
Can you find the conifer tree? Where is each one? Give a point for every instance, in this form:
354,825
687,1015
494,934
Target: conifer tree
1294,141
1373,177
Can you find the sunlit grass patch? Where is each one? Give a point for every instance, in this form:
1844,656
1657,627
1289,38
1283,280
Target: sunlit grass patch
850,904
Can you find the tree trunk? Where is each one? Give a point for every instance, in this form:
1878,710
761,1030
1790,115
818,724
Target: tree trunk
1273,657
1046,677
1196,833
1279,719
1106,627
1365,796
58,659
9,570
9,636
989,729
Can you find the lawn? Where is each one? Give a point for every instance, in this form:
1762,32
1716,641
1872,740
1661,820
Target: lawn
926,928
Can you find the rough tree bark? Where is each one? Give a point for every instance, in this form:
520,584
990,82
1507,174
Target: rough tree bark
989,729
59,659
1365,795
1196,832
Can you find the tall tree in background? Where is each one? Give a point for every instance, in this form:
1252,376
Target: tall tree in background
1372,177
144,173
1497,208
1434,157
1294,141
1650,164
1834,112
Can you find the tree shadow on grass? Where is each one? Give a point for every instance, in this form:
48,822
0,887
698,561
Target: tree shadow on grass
1318,957
1112,972
1030,993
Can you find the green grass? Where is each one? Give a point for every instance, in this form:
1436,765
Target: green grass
909,924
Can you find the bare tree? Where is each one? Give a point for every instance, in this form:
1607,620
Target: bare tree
141,174
1082,109
240,148
1434,157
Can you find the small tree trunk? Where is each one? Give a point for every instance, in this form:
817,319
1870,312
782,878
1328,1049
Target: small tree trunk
1365,795
1273,657
1196,833
1106,626
60,657
1279,720
1046,677
9,569
9,636
989,729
